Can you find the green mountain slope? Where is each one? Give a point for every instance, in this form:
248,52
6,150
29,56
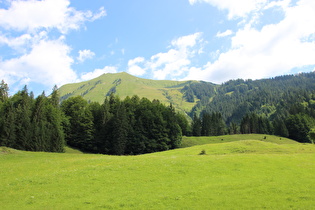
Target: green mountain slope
124,84
275,98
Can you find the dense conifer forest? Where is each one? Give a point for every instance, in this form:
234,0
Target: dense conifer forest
31,124
118,127
283,106
122,127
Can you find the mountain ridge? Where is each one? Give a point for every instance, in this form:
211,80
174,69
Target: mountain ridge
124,84
274,98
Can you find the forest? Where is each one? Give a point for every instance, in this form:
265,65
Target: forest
118,127
283,106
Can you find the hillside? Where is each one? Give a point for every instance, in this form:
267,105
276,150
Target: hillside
124,84
273,97
201,140
246,174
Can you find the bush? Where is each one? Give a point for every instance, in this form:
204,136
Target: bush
203,152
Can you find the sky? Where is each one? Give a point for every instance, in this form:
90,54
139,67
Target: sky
55,42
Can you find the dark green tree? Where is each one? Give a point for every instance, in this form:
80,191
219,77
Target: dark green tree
207,125
173,128
119,130
233,129
280,128
298,127
196,126
183,124
40,132
7,124
23,104
80,133
4,91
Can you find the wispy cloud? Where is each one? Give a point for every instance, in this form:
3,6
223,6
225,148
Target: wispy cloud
240,8
85,54
98,72
224,34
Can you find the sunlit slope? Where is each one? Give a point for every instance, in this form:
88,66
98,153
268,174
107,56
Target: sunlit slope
124,84
199,140
245,174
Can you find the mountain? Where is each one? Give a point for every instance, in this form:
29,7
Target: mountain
273,98
124,84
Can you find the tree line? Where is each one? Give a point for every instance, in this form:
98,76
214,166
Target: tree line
122,127
30,124
297,126
118,127
283,106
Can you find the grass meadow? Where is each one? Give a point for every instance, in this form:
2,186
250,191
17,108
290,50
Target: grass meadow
244,172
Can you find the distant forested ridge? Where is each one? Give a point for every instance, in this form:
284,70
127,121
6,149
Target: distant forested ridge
269,97
283,105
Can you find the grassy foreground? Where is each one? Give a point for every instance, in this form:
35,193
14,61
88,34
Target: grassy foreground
248,174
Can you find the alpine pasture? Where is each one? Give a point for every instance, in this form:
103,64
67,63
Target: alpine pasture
245,172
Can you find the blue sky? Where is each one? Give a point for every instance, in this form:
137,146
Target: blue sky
48,42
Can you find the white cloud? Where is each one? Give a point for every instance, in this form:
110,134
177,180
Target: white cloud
16,42
134,68
85,54
135,61
273,50
27,27
224,34
102,13
186,41
35,15
98,72
240,8
48,63
175,62
172,63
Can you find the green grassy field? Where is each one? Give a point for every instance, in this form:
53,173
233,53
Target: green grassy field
193,140
239,174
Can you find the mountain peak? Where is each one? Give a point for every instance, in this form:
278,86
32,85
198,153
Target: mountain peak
124,84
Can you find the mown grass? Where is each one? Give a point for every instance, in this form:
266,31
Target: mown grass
247,174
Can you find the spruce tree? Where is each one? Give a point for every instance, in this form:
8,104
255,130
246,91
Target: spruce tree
80,133
196,126
4,91
119,130
23,120
8,125
39,123
207,125
280,128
